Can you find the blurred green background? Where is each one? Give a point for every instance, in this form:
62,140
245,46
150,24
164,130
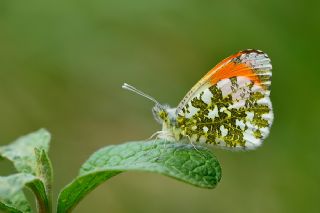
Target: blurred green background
62,64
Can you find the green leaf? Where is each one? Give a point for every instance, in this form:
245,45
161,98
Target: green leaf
12,198
44,172
195,165
21,152
29,155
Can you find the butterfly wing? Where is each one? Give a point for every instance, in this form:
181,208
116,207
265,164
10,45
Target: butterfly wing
230,106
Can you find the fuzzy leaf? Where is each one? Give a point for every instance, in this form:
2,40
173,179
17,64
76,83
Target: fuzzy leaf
194,165
12,198
45,173
29,155
21,152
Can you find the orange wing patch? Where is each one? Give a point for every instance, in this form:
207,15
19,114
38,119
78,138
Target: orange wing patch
252,64
231,70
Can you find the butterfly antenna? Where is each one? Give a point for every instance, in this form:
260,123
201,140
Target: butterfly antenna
139,92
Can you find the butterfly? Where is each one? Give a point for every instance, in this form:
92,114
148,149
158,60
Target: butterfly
229,107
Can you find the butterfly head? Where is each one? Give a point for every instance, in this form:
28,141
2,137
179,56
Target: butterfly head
164,114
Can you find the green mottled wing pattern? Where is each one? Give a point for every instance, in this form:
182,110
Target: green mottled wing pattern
235,113
230,107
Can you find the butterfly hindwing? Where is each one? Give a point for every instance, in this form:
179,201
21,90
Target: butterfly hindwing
230,107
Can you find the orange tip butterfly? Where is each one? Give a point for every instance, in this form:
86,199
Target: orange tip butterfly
229,107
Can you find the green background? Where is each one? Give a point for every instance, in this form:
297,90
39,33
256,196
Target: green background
62,64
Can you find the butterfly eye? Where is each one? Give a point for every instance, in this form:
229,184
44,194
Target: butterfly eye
157,114
163,114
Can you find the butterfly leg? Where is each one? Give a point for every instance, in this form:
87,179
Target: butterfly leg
154,137
192,143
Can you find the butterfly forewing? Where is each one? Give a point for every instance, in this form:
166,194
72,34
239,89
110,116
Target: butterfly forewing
230,107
